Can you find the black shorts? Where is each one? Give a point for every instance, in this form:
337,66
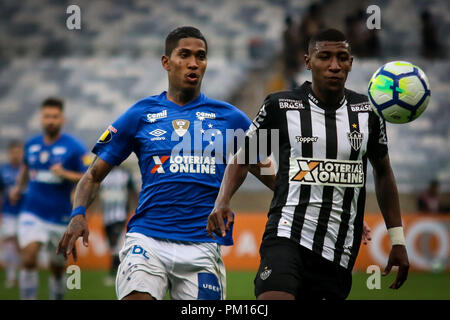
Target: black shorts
289,267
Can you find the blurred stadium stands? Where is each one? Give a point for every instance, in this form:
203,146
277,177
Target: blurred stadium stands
114,60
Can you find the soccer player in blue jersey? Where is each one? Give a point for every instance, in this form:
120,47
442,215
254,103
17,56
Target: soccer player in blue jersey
53,162
175,135
9,212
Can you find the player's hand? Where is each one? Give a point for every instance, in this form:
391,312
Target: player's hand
398,257
77,228
366,233
14,195
216,221
58,170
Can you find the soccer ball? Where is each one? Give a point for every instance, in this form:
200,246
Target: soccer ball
399,92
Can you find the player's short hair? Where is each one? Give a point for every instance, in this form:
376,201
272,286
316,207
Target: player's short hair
15,144
53,102
180,33
326,35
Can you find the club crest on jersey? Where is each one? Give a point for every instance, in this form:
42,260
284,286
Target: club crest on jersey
355,138
180,126
44,156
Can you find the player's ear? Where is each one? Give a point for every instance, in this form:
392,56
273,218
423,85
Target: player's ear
351,63
165,62
307,61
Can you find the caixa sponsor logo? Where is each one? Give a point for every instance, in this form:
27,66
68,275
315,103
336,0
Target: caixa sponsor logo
138,250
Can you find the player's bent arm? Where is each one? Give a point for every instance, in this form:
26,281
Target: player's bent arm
267,177
387,197
85,192
21,183
89,184
72,176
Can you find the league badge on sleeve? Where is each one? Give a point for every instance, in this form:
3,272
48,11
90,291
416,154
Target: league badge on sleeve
107,135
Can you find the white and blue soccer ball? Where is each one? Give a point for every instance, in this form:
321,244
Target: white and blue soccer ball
399,92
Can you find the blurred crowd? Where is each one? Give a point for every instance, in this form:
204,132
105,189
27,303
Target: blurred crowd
365,42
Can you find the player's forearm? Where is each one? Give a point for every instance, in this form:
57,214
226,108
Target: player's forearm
22,178
86,190
233,178
387,196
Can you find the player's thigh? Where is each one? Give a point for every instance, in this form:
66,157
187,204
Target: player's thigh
55,233
8,228
325,279
114,232
29,254
280,269
31,234
141,269
199,272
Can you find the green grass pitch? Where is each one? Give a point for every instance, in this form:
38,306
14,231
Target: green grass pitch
419,286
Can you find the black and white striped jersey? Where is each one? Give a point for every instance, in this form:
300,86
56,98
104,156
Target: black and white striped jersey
320,195
114,194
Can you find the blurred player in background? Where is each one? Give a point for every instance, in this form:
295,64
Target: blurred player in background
167,246
315,222
53,162
116,193
9,212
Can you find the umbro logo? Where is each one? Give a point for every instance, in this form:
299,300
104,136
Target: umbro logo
157,133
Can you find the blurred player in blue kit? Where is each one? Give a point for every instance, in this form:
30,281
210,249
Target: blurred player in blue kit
9,212
167,247
53,162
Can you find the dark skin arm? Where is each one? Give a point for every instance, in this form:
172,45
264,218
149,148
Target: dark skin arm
387,197
85,192
233,178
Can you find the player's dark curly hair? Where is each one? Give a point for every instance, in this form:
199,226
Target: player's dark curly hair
326,35
180,33
53,102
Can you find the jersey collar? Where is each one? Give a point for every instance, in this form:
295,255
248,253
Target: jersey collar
190,104
307,88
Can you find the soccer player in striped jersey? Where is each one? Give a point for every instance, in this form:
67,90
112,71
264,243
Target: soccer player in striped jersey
176,136
315,221
116,193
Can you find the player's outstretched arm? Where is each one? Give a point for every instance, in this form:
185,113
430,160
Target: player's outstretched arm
234,176
85,192
387,196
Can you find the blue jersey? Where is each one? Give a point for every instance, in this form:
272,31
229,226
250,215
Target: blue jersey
48,195
181,152
8,176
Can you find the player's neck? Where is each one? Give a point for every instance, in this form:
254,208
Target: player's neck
182,97
328,97
49,139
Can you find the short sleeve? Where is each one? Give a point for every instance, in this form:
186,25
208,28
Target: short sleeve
377,144
261,125
117,141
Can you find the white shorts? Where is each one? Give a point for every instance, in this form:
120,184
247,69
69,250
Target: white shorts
189,270
9,226
31,228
